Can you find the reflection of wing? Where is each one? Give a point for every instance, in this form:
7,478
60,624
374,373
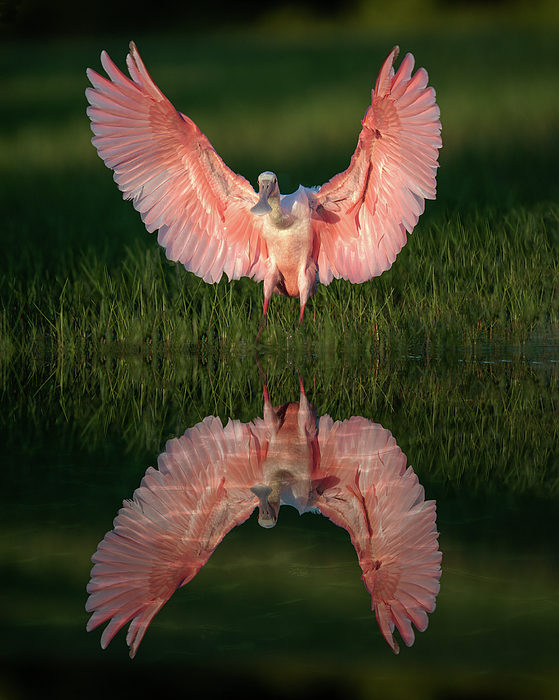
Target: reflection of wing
363,485
177,517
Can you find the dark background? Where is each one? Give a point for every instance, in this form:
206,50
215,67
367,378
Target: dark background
57,18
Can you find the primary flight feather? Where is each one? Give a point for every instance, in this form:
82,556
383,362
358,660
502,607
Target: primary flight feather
213,222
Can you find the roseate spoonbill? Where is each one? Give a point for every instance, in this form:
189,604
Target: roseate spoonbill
212,221
213,477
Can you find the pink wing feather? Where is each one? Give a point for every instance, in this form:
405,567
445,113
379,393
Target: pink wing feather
369,492
362,214
177,517
178,183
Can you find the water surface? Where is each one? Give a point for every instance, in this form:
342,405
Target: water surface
283,611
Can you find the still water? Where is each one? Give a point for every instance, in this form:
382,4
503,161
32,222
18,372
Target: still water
282,610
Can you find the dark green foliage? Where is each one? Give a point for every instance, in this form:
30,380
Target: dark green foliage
93,315
81,276
107,350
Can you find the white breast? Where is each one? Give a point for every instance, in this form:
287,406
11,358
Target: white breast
290,248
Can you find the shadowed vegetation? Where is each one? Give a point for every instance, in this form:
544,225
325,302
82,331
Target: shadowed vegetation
107,350
447,407
81,278
90,307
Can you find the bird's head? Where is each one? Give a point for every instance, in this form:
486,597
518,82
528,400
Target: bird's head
267,511
267,188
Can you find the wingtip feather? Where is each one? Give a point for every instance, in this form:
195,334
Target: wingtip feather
386,72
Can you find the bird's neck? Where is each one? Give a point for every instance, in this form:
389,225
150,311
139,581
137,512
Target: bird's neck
279,217
279,481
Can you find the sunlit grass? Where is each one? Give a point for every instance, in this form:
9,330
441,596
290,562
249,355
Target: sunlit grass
459,279
81,279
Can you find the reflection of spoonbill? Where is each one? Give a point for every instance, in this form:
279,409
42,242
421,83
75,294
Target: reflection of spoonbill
212,221
212,478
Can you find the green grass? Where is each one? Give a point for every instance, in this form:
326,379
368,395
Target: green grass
107,349
457,281
81,279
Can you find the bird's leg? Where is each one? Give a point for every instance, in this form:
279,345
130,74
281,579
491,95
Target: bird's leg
270,281
263,319
263,379
307,286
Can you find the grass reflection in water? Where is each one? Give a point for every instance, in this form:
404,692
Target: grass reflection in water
107,351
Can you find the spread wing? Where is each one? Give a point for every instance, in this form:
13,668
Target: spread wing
364,487
362,214
168,531
168,168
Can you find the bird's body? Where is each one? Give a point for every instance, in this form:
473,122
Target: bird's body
213,222
288,434
290,267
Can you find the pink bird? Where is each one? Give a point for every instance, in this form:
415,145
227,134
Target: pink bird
212,478
212,221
